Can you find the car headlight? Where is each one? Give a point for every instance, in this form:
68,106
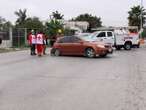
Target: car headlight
101,46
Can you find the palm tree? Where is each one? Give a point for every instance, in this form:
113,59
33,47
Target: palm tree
135,14
21,16
57,15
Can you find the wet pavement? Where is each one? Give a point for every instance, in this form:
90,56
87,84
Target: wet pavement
117,82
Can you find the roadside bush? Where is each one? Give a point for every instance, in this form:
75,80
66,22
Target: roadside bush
144,33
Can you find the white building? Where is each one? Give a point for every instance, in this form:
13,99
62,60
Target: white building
76,25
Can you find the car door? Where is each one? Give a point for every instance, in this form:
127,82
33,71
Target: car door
77,46
65,45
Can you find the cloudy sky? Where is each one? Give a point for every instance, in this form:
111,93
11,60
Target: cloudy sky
112,12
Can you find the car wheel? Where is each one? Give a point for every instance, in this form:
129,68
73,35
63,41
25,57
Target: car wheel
57,52
90,53
52,52
127,46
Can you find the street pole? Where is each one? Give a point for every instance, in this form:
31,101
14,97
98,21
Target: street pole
141,23
141,19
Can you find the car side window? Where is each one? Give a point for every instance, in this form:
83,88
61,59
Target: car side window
69,39
102,34
75,39
109,34
60,40
63,40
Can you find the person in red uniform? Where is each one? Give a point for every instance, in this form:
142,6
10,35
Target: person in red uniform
39,42
32,42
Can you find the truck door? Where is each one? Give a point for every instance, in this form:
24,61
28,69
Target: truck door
101,36
109,38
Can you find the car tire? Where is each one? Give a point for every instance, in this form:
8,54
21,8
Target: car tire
127,46
90,53
52,52
57,52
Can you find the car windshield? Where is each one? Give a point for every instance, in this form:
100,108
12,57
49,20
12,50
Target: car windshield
88,38
94,34
83,34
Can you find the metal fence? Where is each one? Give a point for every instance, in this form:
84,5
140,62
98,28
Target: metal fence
19,37
4,35
5,38
13,37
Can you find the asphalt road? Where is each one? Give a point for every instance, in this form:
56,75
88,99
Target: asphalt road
117,82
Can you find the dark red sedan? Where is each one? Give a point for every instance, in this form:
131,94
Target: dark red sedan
75,45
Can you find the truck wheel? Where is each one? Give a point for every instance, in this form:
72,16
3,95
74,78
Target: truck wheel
90,53
127,46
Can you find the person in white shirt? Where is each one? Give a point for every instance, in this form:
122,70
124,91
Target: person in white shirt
39,43
32,42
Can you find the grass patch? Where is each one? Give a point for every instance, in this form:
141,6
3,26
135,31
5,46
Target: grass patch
4,50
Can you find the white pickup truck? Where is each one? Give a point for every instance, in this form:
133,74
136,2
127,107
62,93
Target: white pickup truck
118,38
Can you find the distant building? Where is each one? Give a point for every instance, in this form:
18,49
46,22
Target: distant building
79,26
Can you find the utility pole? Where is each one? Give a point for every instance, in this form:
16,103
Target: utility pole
141,16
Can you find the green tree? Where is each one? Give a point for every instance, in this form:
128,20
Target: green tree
4,24
134,17
144,33
29,23
53,26
7,25
2,21
52,29
93,21
33,23
21,14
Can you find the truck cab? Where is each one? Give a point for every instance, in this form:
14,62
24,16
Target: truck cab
104,36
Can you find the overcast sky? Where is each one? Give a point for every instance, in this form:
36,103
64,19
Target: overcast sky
112,12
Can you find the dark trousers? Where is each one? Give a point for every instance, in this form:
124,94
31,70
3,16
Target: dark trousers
44,49
32,49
